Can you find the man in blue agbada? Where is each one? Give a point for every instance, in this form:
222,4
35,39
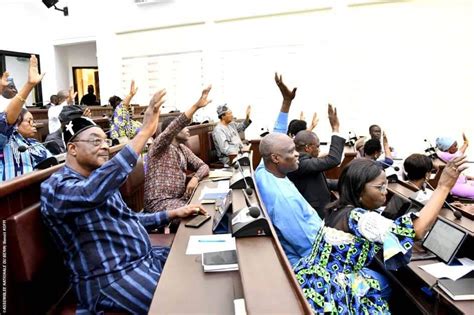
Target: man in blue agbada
105,245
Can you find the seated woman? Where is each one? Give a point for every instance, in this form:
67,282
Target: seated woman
333,277
19,152
418,171
448,150
122,123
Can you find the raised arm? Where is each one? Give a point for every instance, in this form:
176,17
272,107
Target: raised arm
465,145
34,77
386,147
131,94
314,122
429,212
288,95
166,136
150,122
281,124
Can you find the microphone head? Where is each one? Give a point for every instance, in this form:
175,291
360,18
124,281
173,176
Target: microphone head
249,191
396,168
457,214
236,165
22,148
254,212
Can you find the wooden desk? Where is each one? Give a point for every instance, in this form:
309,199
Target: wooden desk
412,277
184,287
265,278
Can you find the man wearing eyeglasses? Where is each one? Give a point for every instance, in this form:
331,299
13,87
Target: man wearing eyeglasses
104,243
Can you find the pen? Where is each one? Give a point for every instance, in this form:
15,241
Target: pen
211,241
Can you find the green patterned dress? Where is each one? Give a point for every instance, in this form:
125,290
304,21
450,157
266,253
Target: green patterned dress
333,277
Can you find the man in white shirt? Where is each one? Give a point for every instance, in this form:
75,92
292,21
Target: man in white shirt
53,112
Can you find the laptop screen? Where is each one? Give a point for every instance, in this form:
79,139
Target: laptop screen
444,240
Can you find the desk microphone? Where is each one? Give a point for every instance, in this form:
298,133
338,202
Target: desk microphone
254,211
248,190
431,151
23,148
457,214
396,168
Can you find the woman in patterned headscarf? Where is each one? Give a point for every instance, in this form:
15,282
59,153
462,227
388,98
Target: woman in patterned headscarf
122,123
334,276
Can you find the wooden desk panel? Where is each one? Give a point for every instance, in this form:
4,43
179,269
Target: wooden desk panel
465,307
184,288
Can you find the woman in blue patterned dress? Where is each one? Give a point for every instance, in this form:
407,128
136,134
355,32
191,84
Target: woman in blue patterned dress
122,123
334,277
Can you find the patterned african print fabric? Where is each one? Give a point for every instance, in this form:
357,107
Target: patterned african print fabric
333,277
122,123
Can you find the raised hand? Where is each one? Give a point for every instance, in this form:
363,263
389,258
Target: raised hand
133,89
285,91
333,118
87,113
464,138
247,112
34,77
314,121
203,101
451,172
72,95
152,113
302,116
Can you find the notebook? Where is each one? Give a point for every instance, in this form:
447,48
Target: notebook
461,289
220,261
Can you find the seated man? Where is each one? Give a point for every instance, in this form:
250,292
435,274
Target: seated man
168,161
373,150
226,133
309,178
106,248
295,221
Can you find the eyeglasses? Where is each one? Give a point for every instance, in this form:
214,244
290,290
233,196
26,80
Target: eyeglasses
382,188
97,142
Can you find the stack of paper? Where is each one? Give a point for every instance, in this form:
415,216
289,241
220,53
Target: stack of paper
220,261
199,244
219,173
453,272
213,193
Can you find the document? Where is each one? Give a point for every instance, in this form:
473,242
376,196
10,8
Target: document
220,173
199,244
213,193
442,270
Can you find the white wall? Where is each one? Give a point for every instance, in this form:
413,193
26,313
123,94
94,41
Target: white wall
76,55
407,65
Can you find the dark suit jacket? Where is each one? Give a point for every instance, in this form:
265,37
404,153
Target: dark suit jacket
309,178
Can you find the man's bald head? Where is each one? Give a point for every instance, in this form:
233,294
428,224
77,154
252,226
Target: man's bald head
307,141
278,153
62,96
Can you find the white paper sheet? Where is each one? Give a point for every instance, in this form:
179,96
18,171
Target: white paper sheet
199,244
441,270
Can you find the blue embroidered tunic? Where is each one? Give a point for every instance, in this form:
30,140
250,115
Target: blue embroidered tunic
105,244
